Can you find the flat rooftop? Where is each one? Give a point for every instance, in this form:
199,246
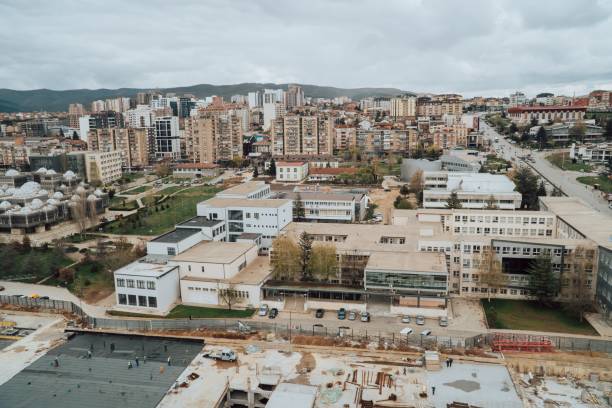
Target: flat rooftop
293,395
176,236
243,188
255,273
146,268
198,222
593,224
214,252
104,380
219,202
430,262
479,183
322,196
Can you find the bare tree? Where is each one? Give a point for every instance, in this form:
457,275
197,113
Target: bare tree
228,296
323,262
285,259
490,270
577,283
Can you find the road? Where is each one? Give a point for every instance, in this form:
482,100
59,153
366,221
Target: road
565,180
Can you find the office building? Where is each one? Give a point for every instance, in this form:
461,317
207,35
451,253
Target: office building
167,138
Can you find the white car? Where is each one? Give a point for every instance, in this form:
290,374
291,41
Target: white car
420,320
426,332
406,331
405,319
263,310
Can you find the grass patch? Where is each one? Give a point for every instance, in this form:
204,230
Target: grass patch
530,315
137,190
496,164
30,265
184,312
173,211
122,204
171,190
563,161
605,184
78,238
389,169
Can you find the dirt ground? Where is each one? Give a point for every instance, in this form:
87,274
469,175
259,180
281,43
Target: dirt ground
384,200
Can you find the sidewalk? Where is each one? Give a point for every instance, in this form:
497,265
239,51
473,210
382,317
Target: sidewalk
599,324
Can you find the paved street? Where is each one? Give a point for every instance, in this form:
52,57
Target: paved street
566,180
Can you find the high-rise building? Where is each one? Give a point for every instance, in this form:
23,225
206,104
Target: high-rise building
167,137
294,97
273,105
295,135
75,111
139,117
255,99
213,136
403,107
518,99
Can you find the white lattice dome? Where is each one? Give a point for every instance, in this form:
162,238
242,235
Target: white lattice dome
69,174
11,173
41,170
58,195
51,172
36,204
5,205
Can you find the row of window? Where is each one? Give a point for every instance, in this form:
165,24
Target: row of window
525,232
242,294
140,284
133,300
503,219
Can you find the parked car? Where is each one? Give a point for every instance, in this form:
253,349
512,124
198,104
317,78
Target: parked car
319,313
443,321
420,320
352,315
406,331
405,319
426,332
341,314
365,317
273,313
44,297
1,288
263,310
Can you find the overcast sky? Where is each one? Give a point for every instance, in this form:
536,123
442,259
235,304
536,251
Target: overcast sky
481,47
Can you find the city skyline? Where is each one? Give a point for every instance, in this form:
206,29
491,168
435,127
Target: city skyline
435,47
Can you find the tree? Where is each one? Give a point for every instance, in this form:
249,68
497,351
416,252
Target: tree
305,245
556,192
417,184
491,203
299,212
541,189
577,286
285,259
578,131
541,137
402,204
404,190
512,128
370,210
608,130
543,284
527,184
453,201
228,296
256,172
272,168
163,170
490,270
323,263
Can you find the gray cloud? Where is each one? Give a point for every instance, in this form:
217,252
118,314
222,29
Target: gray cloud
475,47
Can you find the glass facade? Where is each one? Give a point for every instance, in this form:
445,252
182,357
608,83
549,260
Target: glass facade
604,282
407,281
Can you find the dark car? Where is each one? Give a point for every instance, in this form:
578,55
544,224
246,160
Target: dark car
273,313
319,313
341,314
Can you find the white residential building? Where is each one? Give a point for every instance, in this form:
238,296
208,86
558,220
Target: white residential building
331,206
140,117
147,287
186,235
265,217
473,190
250,189
103,167
592,153
291,171
273,104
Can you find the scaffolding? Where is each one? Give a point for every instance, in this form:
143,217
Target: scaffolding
529,344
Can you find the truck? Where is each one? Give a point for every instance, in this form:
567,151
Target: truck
221,355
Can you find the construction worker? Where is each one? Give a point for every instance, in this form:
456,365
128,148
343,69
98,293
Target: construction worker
137,365
129,364
144,360
433,391
88,353
169,361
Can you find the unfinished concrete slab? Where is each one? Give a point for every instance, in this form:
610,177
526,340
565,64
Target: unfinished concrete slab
67,376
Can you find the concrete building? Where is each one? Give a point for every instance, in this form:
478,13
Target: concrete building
247,190
213,137
291,171
265,217
329,174
474,190
345,138
522,115
403,107
454,161
330,206
196,170
103,167
294,97
145,286
273,106
167,138
560,133
591,153
517,99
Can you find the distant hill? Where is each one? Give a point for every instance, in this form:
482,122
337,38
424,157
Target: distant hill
50,100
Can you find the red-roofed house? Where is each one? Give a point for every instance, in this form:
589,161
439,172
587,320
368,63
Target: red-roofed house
524,114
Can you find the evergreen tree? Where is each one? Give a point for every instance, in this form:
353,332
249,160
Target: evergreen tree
527,184
543,284
404,190
453,201
299,213
272,168
541,137
305,245
541,189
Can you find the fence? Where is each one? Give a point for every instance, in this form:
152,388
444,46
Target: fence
567,343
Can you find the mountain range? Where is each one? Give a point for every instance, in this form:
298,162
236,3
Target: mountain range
55,101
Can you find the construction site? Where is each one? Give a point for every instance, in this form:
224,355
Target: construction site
50,360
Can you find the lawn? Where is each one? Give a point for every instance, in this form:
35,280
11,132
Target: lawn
129,177
184,312
90,282
29,265
563,161
122,204
137,190
605,184
156,220
529,315
171,190
496,164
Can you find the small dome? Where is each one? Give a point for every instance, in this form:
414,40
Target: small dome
30,187
41,170
80,190
25,210
5,205
53,201
91,197
36,204
5,187
75,198
99,192
58,195
11,173
69,174
51,172
10,190
43,192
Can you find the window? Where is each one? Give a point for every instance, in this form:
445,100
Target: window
151,285
142,301
132,300
171,251
130,283
122,299
152,301
202,268
120,282
140,284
